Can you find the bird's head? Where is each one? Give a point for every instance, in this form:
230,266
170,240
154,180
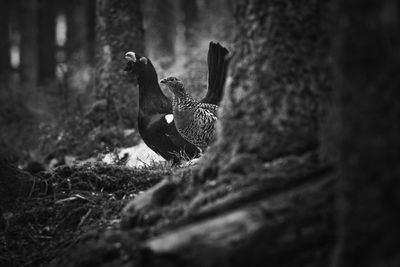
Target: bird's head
175,85
136,63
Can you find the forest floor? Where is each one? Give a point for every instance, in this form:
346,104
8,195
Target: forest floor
68,203
97,214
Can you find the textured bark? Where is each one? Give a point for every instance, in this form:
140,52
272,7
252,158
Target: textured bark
77,32
139,212
47,47
161,30
271,105
368,53
29,42
4,38
295,223
119,29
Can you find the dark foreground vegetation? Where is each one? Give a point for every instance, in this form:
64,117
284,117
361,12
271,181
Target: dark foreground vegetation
62,207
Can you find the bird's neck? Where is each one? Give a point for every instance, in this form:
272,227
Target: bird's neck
183,100
151,98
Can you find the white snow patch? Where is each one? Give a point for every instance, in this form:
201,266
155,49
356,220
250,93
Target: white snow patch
128,132
191,162
139,155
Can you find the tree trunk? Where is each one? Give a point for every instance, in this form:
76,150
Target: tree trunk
270,108
29,43
217,19
91,30
190,21
4,38
160,22
47,46
119,29
77,32
368,54
282,229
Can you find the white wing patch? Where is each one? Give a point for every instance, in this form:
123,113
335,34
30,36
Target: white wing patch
169,118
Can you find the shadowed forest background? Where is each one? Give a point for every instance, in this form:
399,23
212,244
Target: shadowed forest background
52,106
304,170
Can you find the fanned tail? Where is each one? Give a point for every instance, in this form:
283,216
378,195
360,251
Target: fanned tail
217,69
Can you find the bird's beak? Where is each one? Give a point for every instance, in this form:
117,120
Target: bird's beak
130,56
163,81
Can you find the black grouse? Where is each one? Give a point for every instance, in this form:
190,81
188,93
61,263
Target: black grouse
155,119
195,121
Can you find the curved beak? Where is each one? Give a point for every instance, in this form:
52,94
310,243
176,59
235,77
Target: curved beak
130,56
163,80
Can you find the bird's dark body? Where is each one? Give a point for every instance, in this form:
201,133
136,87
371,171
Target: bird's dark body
156,132
163,138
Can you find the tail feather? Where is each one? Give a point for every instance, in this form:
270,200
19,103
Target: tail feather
217,70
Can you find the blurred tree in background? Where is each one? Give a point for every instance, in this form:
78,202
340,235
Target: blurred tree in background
47,36
191,18
161,23
29,45
119,29
4,41
77,31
